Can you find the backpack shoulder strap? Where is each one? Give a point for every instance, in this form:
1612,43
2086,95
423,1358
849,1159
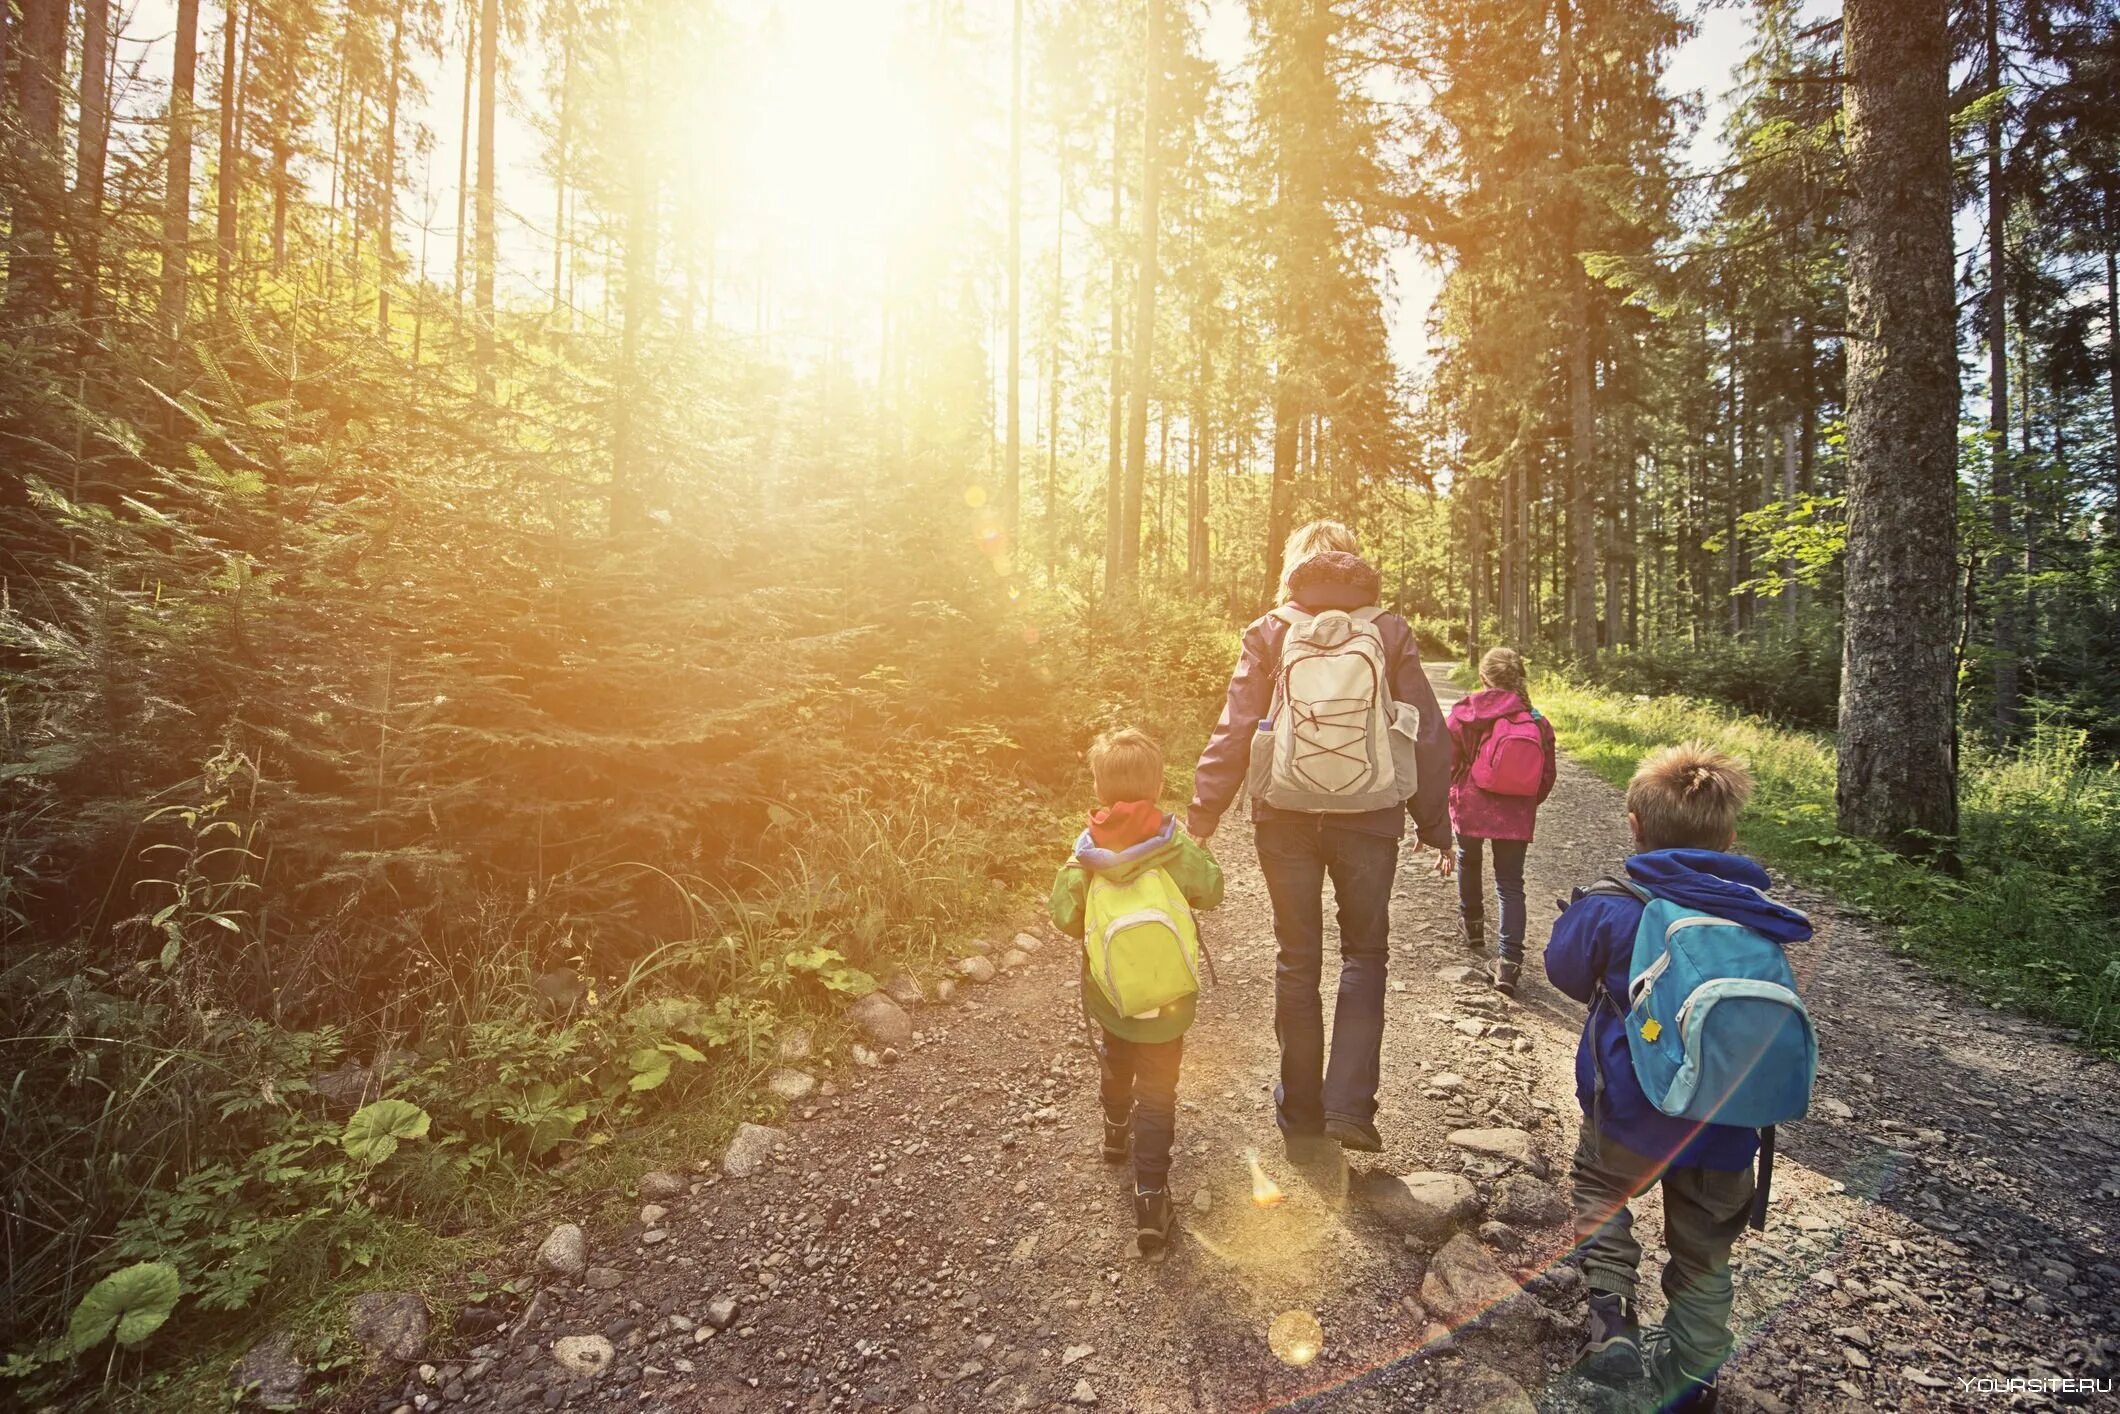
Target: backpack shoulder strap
1367,615
1612,887
1289,614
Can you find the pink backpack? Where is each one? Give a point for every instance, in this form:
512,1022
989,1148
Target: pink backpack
1512,760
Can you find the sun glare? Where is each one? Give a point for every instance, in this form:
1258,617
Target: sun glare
837,126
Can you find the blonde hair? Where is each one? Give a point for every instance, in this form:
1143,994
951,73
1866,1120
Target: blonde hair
1688,797
1504,668
1313,539
1126,765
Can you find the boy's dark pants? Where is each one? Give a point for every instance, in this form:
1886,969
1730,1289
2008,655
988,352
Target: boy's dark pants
1140,1079
1704,1212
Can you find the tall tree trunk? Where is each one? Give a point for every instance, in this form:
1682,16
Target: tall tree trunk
176,195
2112,335
562,143
386,215
1012,465
1052,383
1114,497
627,503
1145,275
1582,424
229,161
1197,568
91,155
39,183
463,153
1898,749
484,252
2002,491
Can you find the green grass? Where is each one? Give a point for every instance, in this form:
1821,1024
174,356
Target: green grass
2032,920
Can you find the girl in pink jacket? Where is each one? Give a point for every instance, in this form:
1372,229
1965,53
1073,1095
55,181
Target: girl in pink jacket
1501,771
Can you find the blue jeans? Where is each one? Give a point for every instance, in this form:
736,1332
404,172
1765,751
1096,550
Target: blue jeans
1296,856
1508,889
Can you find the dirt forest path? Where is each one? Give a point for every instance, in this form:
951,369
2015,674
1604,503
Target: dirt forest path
936,1232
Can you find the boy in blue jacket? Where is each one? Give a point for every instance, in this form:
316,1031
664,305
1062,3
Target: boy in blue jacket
1682,806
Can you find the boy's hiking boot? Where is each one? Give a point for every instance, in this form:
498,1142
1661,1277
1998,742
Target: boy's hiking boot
1678,1390
1472,931
1353,1134
1118,1141
1153,1219
1505,975
1612,1354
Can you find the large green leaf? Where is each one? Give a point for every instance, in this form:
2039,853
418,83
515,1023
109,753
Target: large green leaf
132,1302
373,1133
651,1067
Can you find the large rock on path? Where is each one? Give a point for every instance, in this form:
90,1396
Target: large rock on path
1513,1145
1464,1283
660,1186
391,1324
1523,1201
750,1150
271,1373
1426,1207
882,1020
564,1251
588,1355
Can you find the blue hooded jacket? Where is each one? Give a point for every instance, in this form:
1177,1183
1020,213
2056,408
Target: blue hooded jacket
1594,941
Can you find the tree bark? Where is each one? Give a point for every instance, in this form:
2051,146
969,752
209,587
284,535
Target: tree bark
228,185
2002,491
386,215
91,155
1582,423
463,152
1145,274
485,241
1897,746
39,183
1012,465
176,195
1113,495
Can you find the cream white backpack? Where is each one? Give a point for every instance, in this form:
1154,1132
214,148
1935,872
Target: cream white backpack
1334,741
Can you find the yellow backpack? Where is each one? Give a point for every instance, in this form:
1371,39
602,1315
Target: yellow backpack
1143,946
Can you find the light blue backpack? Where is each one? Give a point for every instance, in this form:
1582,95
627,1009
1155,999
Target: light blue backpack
1714,1026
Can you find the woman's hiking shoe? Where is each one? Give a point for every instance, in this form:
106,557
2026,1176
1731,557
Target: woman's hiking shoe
1612,1354
1118,1141
1505,975
1472,931
1352,1134
1678,1391
1153,1219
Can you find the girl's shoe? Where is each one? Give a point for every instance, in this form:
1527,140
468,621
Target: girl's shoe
1678,1390
1118,1141
1505,975
1153,1219
1472,931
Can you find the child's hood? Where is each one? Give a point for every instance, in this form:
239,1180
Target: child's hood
1126,838
1487,704
1726,885
1334,579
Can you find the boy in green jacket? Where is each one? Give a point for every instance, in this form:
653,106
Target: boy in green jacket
1130,834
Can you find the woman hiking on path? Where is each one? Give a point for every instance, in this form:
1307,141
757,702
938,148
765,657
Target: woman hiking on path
1502,770
1358,848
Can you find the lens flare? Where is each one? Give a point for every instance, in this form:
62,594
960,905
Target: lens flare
975,496
1264,1191
1296,1338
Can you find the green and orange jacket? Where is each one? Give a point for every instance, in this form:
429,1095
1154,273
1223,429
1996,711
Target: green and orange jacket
1123,841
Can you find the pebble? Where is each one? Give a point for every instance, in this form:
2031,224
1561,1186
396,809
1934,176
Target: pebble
1513,1145
1082,1393
603,1278
882,1020
791,1085
1076,1352
661,1185
976,969
721,1312
651,1214
1025,942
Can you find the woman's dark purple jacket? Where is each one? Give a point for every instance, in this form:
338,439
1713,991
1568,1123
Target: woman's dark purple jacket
1332,580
